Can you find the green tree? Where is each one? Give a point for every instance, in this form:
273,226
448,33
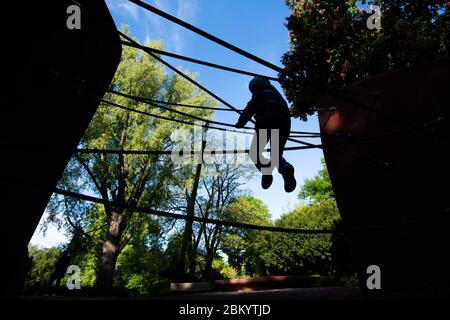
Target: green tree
138,268
244,246
309,254
303,253
318,188
221,186
133,180
43,261
331,45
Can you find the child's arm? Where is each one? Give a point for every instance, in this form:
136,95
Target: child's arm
247,113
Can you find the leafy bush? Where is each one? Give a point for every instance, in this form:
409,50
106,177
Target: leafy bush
222,270
321,254
302,253
40,277
138,269
318,188
331,45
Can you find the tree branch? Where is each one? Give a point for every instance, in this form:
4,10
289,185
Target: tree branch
91,175
80,231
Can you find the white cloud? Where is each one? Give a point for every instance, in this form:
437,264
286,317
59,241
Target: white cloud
177,42
187,9
172,34
147,34
155,27
161,5
129,8
51,238
123,8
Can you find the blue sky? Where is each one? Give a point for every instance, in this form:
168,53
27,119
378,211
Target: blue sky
253,25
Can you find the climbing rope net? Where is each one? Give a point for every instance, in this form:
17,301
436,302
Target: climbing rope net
221,126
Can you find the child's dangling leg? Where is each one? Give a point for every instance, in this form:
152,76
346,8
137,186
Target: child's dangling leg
284,167
260,139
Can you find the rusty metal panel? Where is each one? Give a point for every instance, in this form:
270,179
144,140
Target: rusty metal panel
393,172
47,111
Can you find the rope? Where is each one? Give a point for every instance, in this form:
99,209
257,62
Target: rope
181,152
208,64
207,35
169,103
334,92
168,152
84,197
202,107
228,45
151,152
308,145
163,117
149,101
191,218
13,180
168,65
224,222
311,145
176,111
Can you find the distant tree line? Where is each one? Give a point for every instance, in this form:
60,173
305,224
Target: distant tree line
143,264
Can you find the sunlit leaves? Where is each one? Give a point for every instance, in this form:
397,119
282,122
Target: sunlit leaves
331,45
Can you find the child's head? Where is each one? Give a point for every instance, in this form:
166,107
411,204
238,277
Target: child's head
258,83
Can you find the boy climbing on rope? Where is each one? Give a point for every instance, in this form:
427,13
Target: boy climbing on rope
270,111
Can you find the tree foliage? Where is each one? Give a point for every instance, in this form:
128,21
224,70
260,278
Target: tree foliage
331,45
43,264
318,188
221,186
243,246
323,254
299,253
133,180
147,262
